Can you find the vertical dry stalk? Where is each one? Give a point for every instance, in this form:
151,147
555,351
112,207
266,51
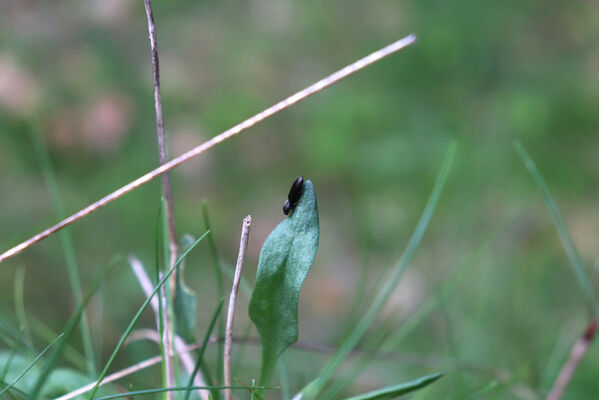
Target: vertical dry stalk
578,351
166,183
168,199
229,133
243,243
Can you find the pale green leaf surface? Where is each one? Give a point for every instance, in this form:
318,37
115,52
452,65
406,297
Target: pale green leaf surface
285,259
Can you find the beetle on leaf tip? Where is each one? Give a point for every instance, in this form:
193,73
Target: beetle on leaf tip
295,193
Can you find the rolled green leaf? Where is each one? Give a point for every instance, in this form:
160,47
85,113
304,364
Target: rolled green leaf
391,392
285,260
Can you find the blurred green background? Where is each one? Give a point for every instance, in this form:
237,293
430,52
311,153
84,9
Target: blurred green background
482,73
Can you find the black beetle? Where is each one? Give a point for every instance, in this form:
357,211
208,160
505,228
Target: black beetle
296,191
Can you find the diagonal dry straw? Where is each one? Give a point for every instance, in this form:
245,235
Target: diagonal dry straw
237,129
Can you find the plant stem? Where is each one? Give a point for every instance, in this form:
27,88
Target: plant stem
243,243
578,351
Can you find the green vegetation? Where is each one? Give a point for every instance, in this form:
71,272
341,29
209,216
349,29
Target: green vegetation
484,293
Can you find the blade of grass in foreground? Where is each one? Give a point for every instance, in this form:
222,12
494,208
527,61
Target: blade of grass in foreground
30,365
218,274
177,389
22,394
200,356
138,314
69,328
14,335
316,386
573,256
65,239
391,392
417,318
43,332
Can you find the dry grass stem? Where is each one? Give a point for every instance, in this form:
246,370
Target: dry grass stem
243,244
166,183
237,129
578,351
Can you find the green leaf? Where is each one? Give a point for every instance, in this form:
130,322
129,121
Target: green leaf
185,300
285,259
391,392
581,274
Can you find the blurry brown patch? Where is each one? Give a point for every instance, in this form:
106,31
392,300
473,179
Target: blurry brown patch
99,126
19,92
110,12
105,122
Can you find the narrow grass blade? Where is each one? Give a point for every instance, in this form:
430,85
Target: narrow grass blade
158,240
35,360
43,332
69,328
220,291
391,392
138,314
20,303
316,386
8,363
21,393
14,335
177,389
65,239
564,234
200,356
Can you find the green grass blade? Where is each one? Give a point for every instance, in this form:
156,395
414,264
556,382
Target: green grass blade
69,328
316,386
391,392
14,335
158,240
14,389
43,332
220,291
31,364
178,389
419,316
65,239
200,356
8,362
138,314
20,303
564,234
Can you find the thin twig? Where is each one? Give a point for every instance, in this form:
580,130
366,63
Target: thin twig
168,199
166,183
578,351
237,129
243,243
